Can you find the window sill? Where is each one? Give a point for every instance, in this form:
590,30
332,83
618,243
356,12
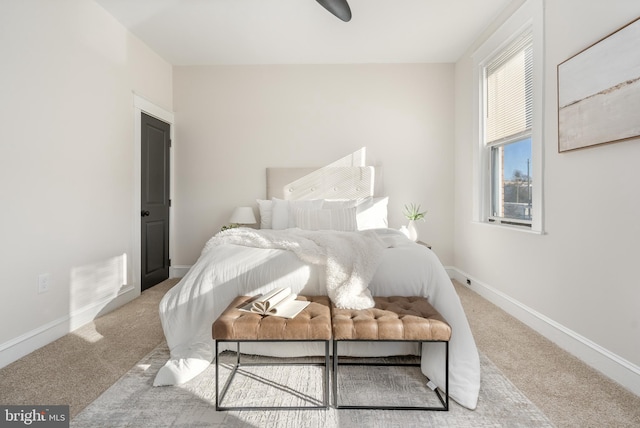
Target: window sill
523,229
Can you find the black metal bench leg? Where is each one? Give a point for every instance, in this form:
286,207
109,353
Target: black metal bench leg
324,404
443,401
326,374
335,373
217,376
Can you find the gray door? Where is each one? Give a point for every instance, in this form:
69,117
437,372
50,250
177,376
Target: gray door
155,201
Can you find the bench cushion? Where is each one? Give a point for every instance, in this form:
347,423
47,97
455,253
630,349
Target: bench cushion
313,323
392,318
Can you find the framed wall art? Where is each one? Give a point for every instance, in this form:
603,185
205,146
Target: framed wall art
599,92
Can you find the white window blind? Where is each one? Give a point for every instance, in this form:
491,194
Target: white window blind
509,92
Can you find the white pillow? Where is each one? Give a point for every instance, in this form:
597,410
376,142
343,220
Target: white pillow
282,214
371,213
279,214
265,206
341,219
332,204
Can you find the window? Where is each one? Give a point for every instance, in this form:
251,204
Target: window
511,182
508,100
507,125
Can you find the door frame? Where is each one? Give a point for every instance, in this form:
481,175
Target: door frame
143,105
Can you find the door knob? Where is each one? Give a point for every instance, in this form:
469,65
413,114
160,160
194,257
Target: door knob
145,213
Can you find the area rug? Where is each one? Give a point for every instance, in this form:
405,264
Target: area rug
133,402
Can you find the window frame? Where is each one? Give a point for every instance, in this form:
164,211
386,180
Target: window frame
529,17
493,188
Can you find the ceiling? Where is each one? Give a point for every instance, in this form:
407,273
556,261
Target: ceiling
203,32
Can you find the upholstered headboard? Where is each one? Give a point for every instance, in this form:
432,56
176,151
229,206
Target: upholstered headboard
321,183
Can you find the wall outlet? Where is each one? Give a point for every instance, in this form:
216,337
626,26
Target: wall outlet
44,282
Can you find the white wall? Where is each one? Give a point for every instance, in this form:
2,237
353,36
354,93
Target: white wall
578,283
235,121
67,164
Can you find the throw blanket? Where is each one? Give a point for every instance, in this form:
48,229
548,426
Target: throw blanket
350,258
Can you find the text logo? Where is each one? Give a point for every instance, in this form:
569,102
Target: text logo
34,416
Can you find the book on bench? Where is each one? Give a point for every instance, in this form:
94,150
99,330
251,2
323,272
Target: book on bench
279,302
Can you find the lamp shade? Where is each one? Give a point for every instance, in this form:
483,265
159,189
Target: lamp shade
243,215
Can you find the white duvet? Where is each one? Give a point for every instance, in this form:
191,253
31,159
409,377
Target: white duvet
226,270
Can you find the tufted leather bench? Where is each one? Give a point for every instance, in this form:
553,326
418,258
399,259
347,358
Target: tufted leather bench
393,319
313,324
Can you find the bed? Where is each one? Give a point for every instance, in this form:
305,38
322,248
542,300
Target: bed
322,232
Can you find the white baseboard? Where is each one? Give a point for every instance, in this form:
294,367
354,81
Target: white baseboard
23,345
179,271
611,365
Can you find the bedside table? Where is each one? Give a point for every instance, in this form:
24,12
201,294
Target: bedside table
424,243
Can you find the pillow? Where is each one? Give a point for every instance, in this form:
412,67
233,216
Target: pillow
371,213
279,213
341,219
282,214
265,207
332,204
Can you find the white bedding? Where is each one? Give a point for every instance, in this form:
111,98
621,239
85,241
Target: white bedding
349,259
225,271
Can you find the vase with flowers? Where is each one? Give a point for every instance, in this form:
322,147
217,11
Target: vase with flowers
412,213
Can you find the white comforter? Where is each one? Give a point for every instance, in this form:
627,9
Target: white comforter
225,271
349,259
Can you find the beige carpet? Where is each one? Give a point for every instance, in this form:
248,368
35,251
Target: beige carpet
79,367
570,393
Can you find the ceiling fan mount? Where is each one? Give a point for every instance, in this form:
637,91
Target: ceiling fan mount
339,8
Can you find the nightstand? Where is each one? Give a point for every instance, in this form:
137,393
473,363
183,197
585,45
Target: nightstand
424,243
